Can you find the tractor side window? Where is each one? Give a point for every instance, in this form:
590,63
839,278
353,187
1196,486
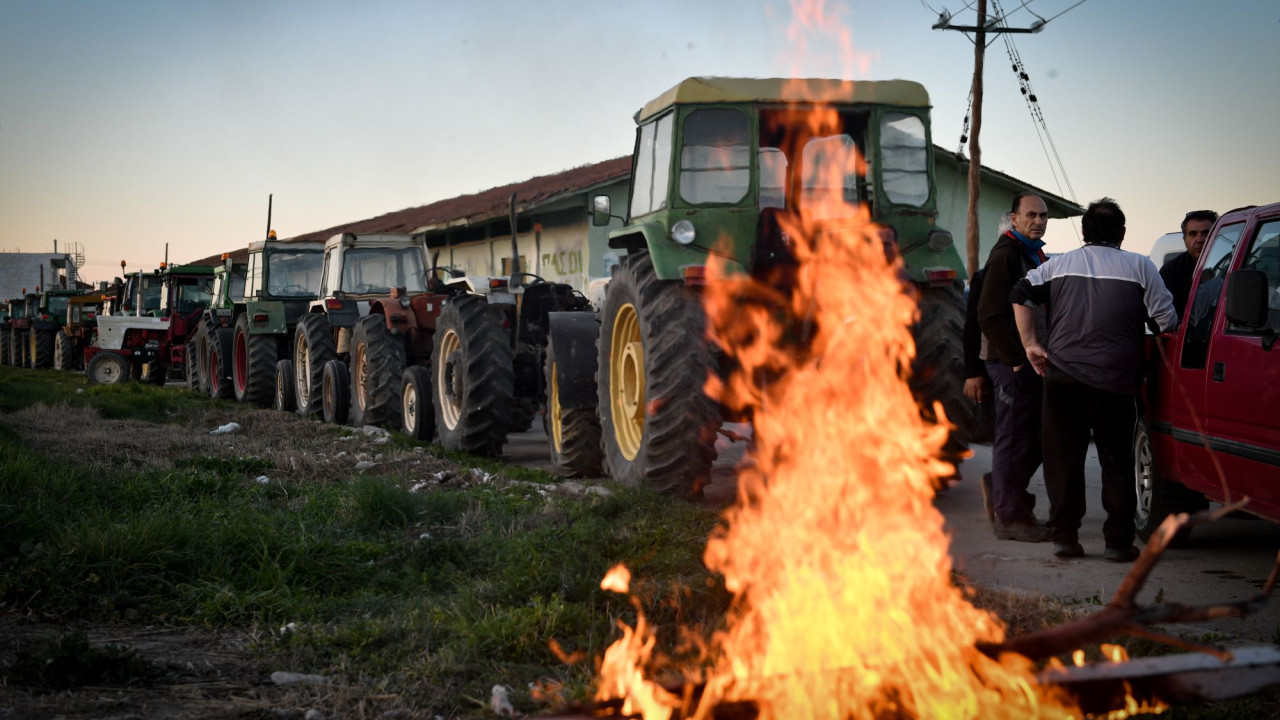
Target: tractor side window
773,177
238,282
293,274
253,280
904,159
151,295
193,294
332,270
715,159
830,169
653,167
1264,255
1204,303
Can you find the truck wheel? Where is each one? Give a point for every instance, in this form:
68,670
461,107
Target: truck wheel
286,388
377,368
313,346
4,347
937,373
335,392
657,424
63,351
192,364
1158,497
219,364
472,377
418,418
573,434
107,368
253,363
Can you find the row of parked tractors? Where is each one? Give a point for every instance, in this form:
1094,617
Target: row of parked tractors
364,329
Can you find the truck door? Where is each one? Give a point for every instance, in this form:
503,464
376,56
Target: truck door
1244,382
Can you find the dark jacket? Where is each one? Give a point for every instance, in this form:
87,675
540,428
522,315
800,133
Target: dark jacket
973,361
1007,264
1177,277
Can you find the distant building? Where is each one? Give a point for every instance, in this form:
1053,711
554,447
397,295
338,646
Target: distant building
19,271
557,241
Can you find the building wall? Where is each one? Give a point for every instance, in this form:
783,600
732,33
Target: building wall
953,210
22,270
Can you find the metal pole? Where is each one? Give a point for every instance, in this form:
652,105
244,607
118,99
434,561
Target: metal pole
972,239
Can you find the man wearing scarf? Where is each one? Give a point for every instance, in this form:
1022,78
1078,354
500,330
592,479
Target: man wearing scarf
1015,452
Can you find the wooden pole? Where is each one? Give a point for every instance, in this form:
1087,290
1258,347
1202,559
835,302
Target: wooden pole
972,240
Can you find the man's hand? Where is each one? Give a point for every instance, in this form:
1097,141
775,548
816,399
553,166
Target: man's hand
973,388
1038,357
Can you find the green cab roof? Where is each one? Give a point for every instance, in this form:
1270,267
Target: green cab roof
699,90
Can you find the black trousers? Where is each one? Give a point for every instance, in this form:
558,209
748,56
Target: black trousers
1072,410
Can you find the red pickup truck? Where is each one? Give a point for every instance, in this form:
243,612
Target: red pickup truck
1219,373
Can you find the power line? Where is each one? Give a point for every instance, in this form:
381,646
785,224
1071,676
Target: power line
1064,12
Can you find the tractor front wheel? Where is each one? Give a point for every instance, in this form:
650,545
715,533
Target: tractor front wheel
335,391
253,364
472,377
4,346
418,418
657,424
192,364
64,351
286,388
107,368
218,342
313,346
574,433
377,367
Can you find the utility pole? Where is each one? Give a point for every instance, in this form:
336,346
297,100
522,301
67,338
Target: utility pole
972,238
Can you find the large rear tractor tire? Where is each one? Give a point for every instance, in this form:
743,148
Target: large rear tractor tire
472,377
1158,497
286,389
5,351
335,391
18,346
657,424
107,368
253,365
313,346
573,433
377,369
42,349
64,351
192,363
418,418
219,363
937,374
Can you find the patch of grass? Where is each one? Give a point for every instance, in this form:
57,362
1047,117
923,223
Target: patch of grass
70,661
21,388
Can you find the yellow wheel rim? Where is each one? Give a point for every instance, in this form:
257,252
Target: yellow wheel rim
361,367
626,381
553,410
450,409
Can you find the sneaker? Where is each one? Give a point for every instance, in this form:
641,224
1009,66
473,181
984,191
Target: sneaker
1022,531
987,506
1068,550
1119,555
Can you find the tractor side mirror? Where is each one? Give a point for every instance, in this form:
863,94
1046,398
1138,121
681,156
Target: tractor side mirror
1247,298
600,210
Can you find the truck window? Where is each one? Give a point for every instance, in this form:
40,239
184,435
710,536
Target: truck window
1264,255
653,167
1204,303
715,158
904,159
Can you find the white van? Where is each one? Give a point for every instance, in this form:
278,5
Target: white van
1165,247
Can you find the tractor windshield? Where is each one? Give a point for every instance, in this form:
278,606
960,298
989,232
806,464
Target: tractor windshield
822,171
56,306
151,290
294,273
17,310
236,291
375,270
192,293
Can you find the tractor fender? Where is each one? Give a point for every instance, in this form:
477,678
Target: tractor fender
398,318
573,335
638,237
266,317
343,313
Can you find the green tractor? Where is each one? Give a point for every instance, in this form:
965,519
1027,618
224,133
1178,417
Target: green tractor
48,317
209,347
717,163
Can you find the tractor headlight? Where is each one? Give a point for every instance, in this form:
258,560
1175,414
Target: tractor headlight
939,240
682,232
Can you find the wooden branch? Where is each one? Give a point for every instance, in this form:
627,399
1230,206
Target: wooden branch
1124,616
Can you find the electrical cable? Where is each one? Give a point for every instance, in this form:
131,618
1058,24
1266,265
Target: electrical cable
1064,12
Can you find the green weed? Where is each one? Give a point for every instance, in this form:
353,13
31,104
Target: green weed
70,661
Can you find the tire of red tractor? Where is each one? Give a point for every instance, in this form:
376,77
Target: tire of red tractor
418,417
108,368
157,372
192,363
42,346
657,425
63,351
335,392
253,365
937,373
377,370
472,377
313,346
286,399
219,364
18,348
573,434
1158,497
4,347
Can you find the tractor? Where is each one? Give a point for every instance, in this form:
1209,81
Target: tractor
48,316
210,345
283,281
719,166
4,332
20,328
363,348
81,319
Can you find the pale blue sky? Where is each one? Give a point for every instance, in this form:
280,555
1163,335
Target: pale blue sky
128,123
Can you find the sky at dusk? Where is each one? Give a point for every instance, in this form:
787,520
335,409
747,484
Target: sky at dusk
126,124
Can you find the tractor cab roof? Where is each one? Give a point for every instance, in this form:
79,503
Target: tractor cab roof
187,270
706,90
373,240
260,245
